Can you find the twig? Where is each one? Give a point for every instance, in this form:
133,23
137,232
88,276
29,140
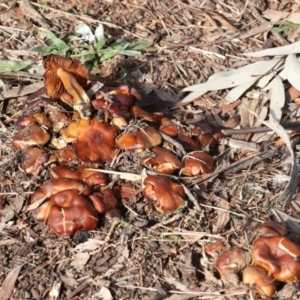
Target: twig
261,129
191,197
175,143
112,228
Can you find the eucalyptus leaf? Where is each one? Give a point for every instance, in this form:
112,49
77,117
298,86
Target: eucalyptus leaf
238,91
13,66
292,68
277,98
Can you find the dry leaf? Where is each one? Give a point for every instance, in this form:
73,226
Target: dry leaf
79,260
104,294
9,283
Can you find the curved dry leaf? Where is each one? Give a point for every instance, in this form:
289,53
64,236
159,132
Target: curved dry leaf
237,77
8,284
284,50
277,98
292,68
238,91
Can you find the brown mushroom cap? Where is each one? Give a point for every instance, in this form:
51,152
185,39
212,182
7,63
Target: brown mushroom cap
269,228
92,140
188,143
145,138
214,249
259,280
279,256
168,127
71,212
30,135
165,194
231,261
196,163
54,186
34,160
140,113
164,161
104,201
89,176
67,75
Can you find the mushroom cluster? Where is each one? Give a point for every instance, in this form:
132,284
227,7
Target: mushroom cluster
85,123
275,257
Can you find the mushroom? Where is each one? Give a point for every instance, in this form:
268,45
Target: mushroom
53,186
164,161
188,143
196,163
69,212
279,256
214,249
92,141
168,127
66,75
145,138
231,261
30,135
104,201
34,160
259,280
269,228
165,194
140,113
39,118
89,176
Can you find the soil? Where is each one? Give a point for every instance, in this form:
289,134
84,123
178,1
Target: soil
145,254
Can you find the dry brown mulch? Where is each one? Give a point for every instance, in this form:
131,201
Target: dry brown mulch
145,254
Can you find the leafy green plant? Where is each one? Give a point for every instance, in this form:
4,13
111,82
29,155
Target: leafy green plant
89,46
283,26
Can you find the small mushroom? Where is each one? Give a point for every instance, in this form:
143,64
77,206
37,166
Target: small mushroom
39,118
269,228
164,161
145,138
140,113
70,212
92,141
34,160
66,75
196,163
92,178
104,201
279,256
165,194
30,135
214,249
168,127
188,143
231,261
53,186
259,280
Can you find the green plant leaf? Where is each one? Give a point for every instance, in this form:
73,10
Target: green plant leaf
44,49
13,66
53,38
140,45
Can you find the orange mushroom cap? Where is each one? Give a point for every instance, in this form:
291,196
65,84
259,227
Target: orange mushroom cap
279,256
92,141
259,280
196,163
54,186
104,201
142,139
231,261
168,127
165,194
30,135
164,161
67,75
71,212
34,160
269,228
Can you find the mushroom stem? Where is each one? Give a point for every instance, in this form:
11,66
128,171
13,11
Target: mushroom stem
81,99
